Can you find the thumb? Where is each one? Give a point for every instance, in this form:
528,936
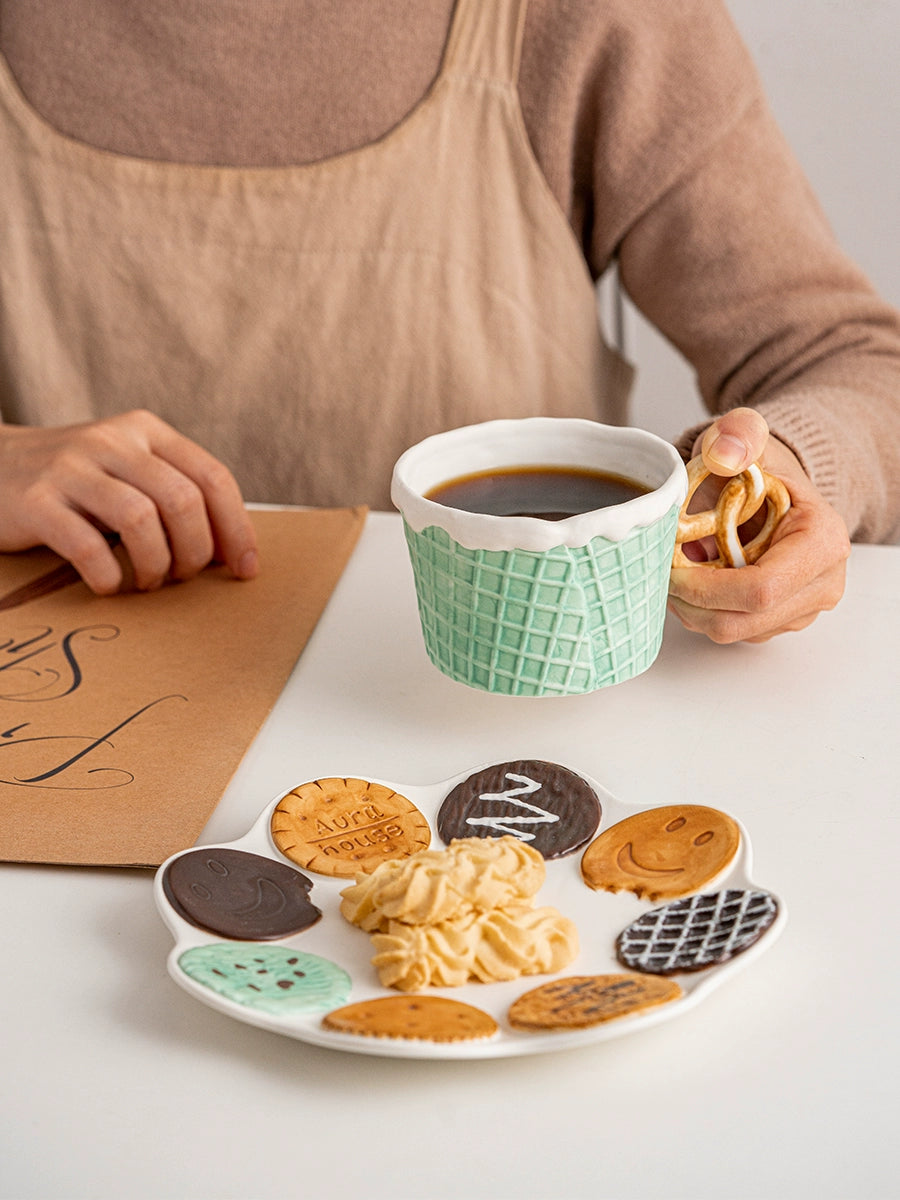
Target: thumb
734,441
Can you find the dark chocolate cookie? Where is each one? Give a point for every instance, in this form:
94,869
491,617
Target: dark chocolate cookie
551,808
696,932
239,895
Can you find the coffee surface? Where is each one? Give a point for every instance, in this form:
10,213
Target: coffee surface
550,493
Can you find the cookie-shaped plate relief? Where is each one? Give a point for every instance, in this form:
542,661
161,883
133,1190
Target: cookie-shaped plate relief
419,1018
272,979
661,853
239,895
548,806
580,1001
697,932
341,827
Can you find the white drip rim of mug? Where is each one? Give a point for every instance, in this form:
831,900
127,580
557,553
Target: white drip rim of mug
540,442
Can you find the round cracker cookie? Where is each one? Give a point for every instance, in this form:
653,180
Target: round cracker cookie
580,1001
273,979
696,932
343,827
548,806
417,1018
661,853
239,895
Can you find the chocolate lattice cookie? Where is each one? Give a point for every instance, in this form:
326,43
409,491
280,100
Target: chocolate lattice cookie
696,932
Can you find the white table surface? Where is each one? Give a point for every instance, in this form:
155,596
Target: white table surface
114,1082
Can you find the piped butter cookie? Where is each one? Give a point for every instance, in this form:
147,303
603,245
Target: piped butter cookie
445,917
341,827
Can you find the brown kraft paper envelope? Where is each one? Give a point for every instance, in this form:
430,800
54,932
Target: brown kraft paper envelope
122,718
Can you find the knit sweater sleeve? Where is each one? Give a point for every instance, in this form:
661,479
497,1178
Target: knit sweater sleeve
722,245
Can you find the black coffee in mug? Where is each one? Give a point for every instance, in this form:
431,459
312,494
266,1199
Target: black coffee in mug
550,493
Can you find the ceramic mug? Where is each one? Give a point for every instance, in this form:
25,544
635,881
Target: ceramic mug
525,606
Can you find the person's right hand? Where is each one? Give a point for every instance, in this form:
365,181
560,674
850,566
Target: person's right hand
175,507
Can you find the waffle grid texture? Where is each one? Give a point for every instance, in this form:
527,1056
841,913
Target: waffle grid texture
560,622
696,932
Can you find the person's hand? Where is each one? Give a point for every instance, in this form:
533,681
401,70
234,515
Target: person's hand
802,572
175,507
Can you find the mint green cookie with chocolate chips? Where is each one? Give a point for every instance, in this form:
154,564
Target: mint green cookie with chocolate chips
274,979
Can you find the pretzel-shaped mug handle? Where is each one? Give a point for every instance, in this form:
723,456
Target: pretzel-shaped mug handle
739,499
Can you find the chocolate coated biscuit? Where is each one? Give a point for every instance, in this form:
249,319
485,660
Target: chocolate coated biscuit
696,932
548,806
239,895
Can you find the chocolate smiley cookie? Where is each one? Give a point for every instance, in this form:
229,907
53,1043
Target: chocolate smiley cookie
696,932
548,806
239,895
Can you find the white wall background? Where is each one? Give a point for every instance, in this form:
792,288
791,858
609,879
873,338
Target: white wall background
832,72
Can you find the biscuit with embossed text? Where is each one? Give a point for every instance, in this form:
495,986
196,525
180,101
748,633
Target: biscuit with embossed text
341,827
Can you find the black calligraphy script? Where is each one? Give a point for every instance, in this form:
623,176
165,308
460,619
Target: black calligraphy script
41,667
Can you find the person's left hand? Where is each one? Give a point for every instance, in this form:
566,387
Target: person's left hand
802,572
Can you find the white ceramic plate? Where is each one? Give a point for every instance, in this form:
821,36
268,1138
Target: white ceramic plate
599,916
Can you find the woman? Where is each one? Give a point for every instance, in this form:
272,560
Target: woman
259,250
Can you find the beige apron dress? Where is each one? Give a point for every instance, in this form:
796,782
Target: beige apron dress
306,324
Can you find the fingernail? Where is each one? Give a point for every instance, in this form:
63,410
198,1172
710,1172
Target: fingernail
247,565
727,452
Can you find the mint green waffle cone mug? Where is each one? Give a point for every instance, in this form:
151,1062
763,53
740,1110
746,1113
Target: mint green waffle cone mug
525,606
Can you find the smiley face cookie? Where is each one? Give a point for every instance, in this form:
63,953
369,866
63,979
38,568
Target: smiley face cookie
417,1018
239,895
341,827
548,806
662,853
580,1001
696,932
272,979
